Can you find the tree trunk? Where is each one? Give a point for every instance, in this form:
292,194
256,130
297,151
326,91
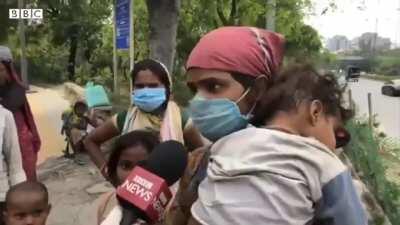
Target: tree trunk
163,23
71,60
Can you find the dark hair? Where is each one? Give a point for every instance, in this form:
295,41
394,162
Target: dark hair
248,81
154,66
298,83
30,187
8,65
147,139
157,69
80,103
245,80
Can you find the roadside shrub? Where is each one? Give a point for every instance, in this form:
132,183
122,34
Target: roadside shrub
364,152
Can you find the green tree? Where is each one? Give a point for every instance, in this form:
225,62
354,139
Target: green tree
78,24
199,17
6,24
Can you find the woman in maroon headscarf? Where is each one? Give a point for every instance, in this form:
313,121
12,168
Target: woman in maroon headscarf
230,70
13,98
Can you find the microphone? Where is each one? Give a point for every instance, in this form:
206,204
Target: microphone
145,193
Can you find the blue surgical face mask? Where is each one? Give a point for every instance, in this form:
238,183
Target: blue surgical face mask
216,118
149,99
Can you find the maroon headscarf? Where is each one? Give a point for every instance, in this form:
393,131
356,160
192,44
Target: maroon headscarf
247,50
25,108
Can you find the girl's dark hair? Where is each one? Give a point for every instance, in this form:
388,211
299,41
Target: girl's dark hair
296,84
147,139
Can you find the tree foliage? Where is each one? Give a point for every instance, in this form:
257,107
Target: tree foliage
199,17
6,24
77,23
82,31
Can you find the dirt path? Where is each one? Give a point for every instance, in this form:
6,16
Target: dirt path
47,105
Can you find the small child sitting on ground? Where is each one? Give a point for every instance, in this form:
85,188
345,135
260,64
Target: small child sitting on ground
27,203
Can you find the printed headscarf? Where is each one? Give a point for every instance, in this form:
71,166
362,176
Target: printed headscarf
247,50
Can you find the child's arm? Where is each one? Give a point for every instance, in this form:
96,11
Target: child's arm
12,152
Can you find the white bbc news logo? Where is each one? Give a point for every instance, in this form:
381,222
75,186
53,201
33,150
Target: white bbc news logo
25,13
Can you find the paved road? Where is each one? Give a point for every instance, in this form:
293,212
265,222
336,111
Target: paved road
386,108
47,106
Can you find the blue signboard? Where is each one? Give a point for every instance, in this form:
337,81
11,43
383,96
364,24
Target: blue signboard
122,23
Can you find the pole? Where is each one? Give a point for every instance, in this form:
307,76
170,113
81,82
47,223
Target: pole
132,43
22,40
131,33
398,27
370,119
350,100
375,37
270,15
115,59
376,32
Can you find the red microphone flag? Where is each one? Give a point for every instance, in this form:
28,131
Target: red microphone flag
147,192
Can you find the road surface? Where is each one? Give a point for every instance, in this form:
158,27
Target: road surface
47,105
387,108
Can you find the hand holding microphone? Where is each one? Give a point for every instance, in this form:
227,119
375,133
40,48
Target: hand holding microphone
145,193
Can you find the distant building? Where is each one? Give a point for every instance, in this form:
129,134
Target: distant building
354,44
367,42
384,43
338,43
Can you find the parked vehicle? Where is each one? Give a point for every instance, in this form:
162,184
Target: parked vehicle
352,73
391,88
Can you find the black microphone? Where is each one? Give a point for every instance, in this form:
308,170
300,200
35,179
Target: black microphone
145,193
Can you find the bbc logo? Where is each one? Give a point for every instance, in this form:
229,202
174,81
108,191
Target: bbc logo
25,13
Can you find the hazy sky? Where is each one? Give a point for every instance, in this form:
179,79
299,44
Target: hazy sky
350,21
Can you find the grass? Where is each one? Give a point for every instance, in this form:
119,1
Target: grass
392,164
366,152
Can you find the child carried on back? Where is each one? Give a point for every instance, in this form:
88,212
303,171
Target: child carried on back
75,126
286,173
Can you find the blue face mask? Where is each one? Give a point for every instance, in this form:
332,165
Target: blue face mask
149,99
216,118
